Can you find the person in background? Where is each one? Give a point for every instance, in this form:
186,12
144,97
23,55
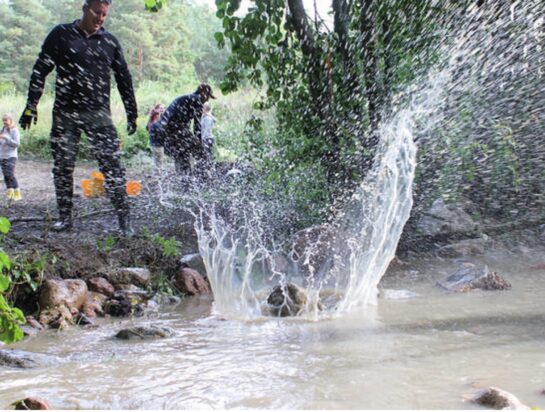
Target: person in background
207,123
84,54
179,142
155,140
9,142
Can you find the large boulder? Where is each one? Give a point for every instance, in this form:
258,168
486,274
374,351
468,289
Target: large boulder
495,398
446,219
58,292
463,248
469,277
94,304
136,276
144,332
287,300
100,285
60,300
191,282
193,261
126,303
313,249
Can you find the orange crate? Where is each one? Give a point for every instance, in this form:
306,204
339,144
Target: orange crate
134,187
86,187
98,184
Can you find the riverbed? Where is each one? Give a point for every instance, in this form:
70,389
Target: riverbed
419,348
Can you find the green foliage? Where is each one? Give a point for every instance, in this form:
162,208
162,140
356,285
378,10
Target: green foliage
10,317
162,284
107,244
29,270
154,5
169,247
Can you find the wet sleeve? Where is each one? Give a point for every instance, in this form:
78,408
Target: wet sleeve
124,83
43,66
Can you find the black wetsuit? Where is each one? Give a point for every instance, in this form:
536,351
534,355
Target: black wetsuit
82,104
178,140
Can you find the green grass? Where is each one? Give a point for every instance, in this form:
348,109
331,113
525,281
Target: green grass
231,112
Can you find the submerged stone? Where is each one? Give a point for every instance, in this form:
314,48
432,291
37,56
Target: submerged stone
495,398
15,358
144,332
287,300
469,277
31,404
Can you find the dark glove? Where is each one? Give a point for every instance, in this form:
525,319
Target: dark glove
131,126
29,116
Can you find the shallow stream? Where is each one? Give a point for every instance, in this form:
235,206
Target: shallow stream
424,352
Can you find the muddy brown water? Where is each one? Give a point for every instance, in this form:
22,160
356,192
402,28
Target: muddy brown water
424,352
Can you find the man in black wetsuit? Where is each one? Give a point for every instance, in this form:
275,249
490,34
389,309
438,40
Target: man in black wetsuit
84,54
178,141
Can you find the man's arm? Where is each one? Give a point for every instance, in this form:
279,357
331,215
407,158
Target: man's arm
124,85
43,66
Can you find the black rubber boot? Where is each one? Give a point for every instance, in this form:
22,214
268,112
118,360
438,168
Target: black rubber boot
63,224
125,226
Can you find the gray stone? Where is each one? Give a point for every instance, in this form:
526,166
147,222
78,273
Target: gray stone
144,332
136,276
495,398
469,277
15,358
444,219
463,248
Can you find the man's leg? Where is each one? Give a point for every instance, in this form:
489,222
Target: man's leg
105,143
64,142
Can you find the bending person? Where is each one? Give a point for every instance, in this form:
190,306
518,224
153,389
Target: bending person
84,54
178,141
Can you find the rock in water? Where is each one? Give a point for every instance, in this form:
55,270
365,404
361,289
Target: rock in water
469,277
31,404
495,398
287,300
151,332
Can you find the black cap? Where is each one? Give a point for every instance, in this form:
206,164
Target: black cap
205,89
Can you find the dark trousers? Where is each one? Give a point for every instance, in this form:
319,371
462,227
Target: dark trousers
65,136
8,170
181,145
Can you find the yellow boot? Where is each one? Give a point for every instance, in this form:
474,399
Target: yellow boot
17,194
11,193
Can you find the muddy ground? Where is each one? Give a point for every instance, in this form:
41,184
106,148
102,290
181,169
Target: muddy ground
94,244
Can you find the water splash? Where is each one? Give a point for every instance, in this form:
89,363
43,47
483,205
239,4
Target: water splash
343,261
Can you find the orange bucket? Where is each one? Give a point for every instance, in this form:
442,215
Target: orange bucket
134,187
86,187
97,186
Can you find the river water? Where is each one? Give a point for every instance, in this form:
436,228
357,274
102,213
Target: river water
423,352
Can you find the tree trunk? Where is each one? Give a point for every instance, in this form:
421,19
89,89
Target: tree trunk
368,41
318,86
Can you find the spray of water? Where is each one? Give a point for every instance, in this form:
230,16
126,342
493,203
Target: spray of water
343,261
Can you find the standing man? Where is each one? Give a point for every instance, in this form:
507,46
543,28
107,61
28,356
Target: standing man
178,140
84,54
